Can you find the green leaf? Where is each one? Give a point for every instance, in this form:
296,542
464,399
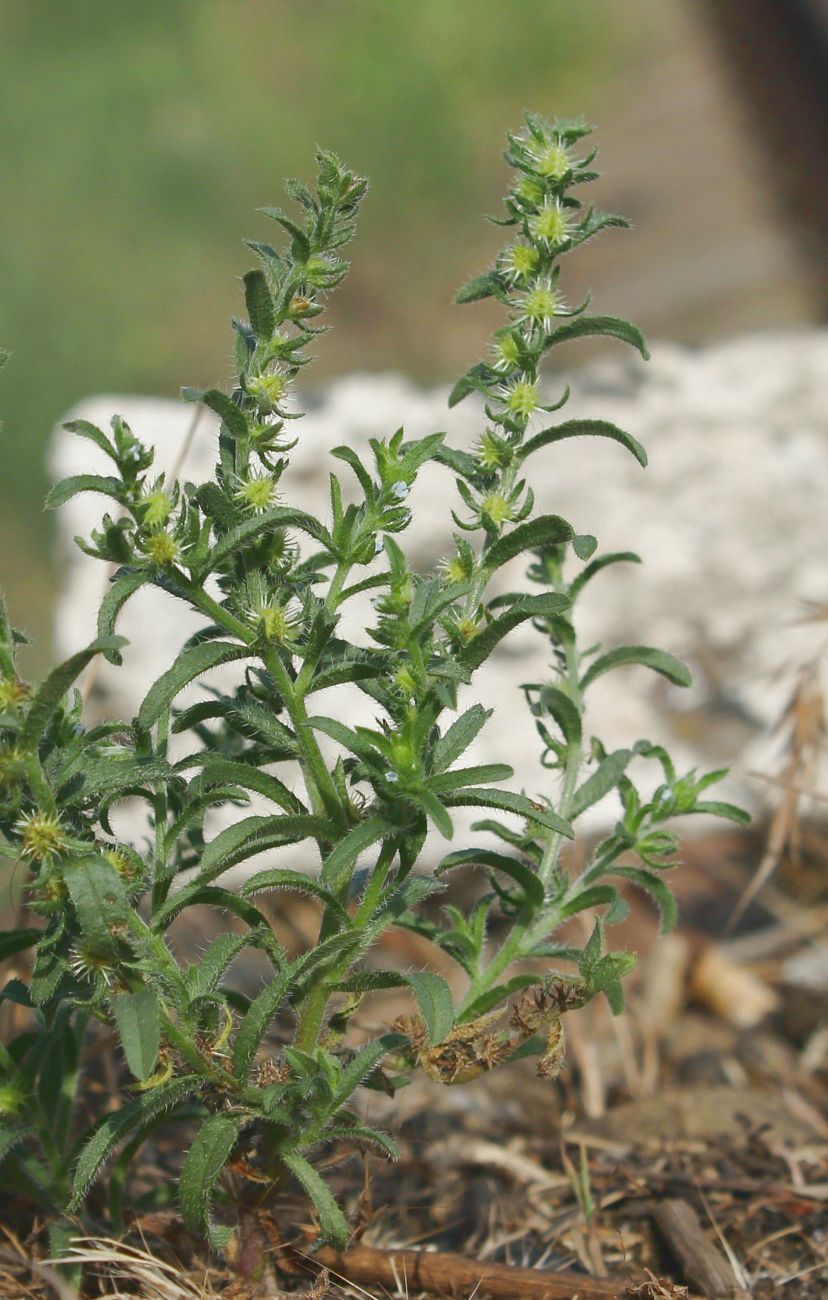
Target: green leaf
193,661
597,896
298,881
84,429
202,1169
480,286
113,1128
10,1136
50,694
458,777
351,845
605,778
658,891
435,1002
581,429
125,583
231,415
545,530
605,326
203,976
362,1135
563,709
348,738
256,527
520,872
332,1221
492,997
259,304
660,662
730,811
506,801
459,736
255,834
589,572
219,769
435,812
256,1020
478,649
470,382
14,941
138,1019
361,1066
71,487
99,899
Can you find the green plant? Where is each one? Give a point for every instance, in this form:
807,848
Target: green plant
231,550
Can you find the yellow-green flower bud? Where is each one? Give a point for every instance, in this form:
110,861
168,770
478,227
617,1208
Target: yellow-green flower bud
275,623
521,397
519,261
552,160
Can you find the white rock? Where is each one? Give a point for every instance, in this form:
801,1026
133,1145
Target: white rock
729,520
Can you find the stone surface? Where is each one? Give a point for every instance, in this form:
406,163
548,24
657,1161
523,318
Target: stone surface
729,520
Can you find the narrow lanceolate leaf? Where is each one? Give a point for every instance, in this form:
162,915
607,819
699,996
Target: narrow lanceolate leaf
138,1021
506,801
520,872
254,528
202,977
459,736
232,416
605,778
605,327
202,1169
255,834
115,1127
190,664
595,567
259,304
334,1226
256,1020
658,890
435,1002
10,1136
124,585
583,429
221,770
71,487
298,881
481,286
361,1135
459,777
51,692
660,662
545,530
478,649
361,1066
351,845
715,808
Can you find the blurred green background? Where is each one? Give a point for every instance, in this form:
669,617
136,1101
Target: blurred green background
137,140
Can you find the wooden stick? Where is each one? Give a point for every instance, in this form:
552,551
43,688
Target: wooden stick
444,1274
702,1263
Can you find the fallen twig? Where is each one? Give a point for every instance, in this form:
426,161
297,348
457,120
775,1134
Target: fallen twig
702,1263
445,1274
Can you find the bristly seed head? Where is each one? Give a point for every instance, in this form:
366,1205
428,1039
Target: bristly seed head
41,835
256,493
551,159
520,397
551,225
162,549
270,390
155,508
519,261
496,508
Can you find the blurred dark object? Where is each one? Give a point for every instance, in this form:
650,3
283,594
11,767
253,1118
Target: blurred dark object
777,50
